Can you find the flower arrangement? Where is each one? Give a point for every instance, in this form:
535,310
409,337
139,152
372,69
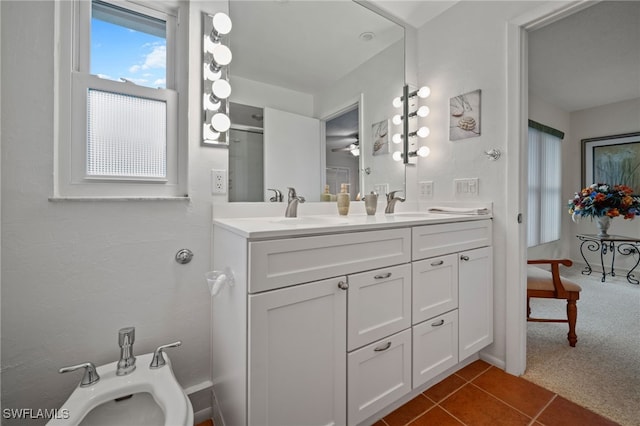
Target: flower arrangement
601,199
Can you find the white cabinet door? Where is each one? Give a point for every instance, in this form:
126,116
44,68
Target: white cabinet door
379,304
435,287
475,300
297,363
379,374
435,347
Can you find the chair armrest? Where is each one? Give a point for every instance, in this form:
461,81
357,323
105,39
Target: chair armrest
561,292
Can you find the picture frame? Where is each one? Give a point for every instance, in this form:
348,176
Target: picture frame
464,115
380,137
612,159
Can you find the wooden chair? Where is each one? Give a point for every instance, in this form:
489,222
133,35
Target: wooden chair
546,284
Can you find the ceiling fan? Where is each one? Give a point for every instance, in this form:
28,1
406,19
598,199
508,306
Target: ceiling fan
353,143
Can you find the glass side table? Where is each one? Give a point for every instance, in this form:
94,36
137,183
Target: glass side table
629,246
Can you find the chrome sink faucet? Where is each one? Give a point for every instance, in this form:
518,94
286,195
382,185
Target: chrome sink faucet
292,205
392,200
127,362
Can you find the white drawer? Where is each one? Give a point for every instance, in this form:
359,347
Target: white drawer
280,263
435,240
435,347
435,286
379,304
378,375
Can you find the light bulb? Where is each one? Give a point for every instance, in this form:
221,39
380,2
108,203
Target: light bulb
424,92
221,23
209,134
423,151
355,152
210,72
423,111
397,119
397,102
221,55
210,104
397,156
220,122
423,132
221,89
396,138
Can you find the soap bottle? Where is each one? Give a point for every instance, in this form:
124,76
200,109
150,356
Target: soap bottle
343,200
326,195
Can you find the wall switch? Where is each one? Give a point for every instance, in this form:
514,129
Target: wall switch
468,187
381,189
218,181
426,190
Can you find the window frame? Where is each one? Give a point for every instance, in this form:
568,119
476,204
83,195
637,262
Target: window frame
73,79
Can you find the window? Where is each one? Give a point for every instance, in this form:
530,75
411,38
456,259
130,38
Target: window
117,103
545,197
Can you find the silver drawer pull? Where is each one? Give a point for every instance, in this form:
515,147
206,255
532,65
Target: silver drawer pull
438,324
438,263
383,348
342,285
382,276
463,257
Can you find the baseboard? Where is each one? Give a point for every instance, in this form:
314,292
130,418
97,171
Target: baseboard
491,359
203,415
200,396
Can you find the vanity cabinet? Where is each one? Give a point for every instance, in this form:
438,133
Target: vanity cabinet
333,328
297,346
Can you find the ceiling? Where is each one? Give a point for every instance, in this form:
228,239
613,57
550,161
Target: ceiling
588,59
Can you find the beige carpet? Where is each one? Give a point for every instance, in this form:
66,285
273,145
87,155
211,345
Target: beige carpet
602,372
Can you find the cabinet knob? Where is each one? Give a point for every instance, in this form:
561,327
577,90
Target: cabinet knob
463,257
342,285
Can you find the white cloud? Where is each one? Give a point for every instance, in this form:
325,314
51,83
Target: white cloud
157,58
161,82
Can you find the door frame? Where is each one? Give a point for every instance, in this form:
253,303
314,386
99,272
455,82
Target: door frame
517,169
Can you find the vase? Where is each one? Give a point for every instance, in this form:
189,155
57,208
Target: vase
603,222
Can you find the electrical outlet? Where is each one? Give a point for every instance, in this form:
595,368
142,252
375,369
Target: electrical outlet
426,190
218,181
381,188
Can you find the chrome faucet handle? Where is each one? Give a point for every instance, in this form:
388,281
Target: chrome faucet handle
158,356
292,193
277,198
90,374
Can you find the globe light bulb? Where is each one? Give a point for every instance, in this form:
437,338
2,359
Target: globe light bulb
221,89
397,156
397,102
424,92
423,111
423,132
221,23
220,122
423,151
396,138
397,119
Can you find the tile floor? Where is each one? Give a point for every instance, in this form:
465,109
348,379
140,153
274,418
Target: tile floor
481,394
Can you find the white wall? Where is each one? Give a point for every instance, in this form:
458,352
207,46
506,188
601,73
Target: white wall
607,120
464,49
75,272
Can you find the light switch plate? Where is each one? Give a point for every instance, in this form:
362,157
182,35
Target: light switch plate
426,190
467,187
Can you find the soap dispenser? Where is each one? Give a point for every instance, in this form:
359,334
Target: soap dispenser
343,200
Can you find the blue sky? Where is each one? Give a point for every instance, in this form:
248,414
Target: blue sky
119,52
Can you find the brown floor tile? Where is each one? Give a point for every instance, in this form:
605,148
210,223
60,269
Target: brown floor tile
473,406
206,423
515,391
472,370
409,411
562,412
379,423
435,416
446,387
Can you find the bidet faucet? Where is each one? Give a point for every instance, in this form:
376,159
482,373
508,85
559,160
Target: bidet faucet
292,206
127,362
392,200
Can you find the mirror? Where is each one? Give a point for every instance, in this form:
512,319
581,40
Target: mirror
299,70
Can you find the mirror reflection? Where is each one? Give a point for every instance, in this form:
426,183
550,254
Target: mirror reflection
311,103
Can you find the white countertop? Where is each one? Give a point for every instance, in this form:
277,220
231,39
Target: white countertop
280,227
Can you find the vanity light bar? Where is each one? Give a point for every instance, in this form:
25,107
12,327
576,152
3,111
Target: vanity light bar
422,132
216,89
